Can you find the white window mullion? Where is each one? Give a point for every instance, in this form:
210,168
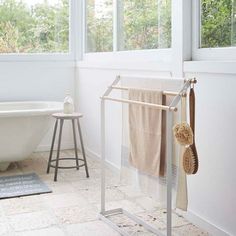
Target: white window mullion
115,25
80,28
119,26
196,22
181,35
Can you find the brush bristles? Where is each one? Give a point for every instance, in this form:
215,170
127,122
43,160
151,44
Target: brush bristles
190,162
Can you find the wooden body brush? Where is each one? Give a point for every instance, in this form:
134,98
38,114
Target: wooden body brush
190,156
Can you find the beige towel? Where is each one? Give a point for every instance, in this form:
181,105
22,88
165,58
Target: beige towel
145,125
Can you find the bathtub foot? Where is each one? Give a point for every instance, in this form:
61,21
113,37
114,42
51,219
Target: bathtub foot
4,166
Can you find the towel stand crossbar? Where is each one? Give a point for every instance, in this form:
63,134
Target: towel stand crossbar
146,104
104,215
169,93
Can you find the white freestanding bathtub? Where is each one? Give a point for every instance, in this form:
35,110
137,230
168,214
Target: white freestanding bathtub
22,127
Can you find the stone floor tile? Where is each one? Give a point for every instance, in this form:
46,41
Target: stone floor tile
59,187
94,195
129,226
76,214
147,203
124,204
155,217
189,230
23,205
5,227
85,184
94,228
30,221
130,191
64,200
51,231
49,178
76,175
93,164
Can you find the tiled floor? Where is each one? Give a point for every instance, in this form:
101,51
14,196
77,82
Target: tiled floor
72,208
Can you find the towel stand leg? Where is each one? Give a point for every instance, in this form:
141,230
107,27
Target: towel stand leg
169,172
103,169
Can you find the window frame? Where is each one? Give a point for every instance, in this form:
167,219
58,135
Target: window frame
69,56
154,55
207,54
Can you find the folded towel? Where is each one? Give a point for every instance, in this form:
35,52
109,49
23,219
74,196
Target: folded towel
145,126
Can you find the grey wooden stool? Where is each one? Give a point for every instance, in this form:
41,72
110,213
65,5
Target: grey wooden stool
61,117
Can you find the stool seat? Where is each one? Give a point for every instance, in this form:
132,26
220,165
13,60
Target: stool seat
67,116
60,118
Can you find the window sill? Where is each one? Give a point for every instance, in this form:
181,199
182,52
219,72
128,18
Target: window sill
217,67
36,57
143,60
138,66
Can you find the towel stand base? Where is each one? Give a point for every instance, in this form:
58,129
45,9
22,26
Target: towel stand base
104,217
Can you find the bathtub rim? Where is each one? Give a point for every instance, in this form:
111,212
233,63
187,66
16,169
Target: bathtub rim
55,107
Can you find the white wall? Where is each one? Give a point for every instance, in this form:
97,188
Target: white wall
35,81
212,191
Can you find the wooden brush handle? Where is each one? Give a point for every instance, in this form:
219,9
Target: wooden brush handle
192,109
192,124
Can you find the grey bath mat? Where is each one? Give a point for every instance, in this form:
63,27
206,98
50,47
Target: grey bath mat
22,185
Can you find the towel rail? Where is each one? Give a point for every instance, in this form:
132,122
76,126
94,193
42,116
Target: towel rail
170,93
151,105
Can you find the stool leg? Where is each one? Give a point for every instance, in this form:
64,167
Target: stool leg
82,147
52,145
58,149
75,144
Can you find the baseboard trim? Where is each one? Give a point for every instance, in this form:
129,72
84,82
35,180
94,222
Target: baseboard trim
204,224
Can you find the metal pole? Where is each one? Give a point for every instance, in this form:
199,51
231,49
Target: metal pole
169,171
103,174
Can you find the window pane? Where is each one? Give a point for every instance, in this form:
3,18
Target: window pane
146,24
218,23
34,26
99,25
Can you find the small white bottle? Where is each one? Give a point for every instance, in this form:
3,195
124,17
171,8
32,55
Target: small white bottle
68,104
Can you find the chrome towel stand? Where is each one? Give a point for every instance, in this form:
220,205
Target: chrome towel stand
169,111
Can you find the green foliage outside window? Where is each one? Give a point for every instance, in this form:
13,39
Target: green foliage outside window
40,28
144,24
218,23
99,26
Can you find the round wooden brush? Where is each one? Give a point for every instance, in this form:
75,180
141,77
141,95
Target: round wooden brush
190,156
